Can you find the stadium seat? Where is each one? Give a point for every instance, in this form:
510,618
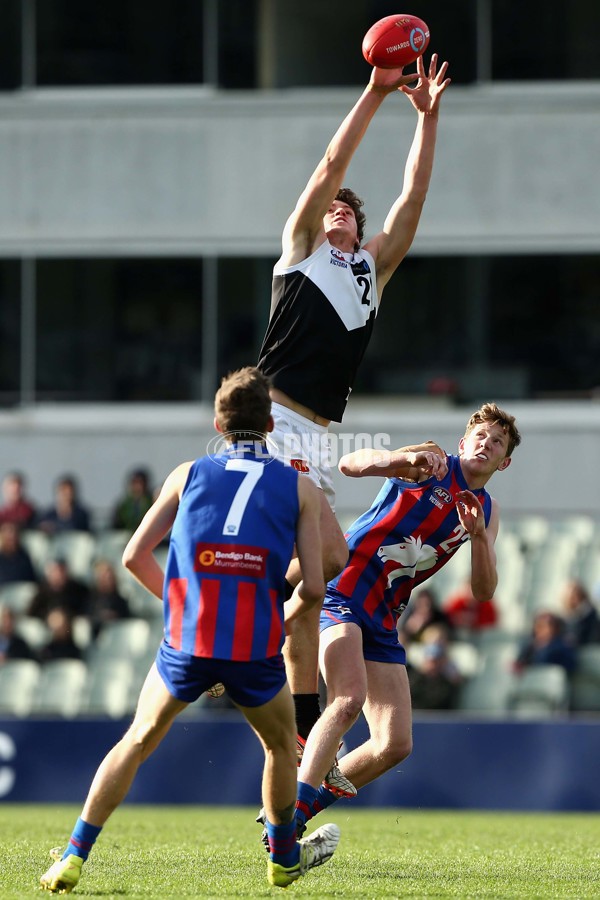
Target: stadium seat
60,690
82,632
110,545
18,685
123,639
109,688
37,545
32,630
532,531
78,548
465,657
585,683
539,689
486,692
18,595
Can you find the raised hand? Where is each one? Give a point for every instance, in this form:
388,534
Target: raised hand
385,81
470,512
426,94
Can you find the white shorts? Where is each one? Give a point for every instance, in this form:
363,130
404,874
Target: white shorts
304,445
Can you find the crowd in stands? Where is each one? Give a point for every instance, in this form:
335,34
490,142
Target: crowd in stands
59,598
432,628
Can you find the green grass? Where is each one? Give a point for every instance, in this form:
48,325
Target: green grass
215,852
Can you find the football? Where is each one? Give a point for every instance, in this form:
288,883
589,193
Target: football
395,41
216,691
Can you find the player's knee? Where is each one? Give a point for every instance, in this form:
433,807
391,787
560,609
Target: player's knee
141,737
347,709
398,749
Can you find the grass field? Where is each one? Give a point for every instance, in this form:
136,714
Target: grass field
212,852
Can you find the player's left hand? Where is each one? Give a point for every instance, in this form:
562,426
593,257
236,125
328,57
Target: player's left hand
426,95
470,513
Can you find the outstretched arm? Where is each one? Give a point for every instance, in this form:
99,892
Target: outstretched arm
390,246
416,462
303,232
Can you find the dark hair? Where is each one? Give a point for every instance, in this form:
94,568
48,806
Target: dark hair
491,412
353,200
243,404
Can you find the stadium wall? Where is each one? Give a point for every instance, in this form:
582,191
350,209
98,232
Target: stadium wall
456,764
554,471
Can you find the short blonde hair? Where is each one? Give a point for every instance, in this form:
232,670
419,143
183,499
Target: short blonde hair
491,412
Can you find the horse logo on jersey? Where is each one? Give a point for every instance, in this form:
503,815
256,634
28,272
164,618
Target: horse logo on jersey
404,559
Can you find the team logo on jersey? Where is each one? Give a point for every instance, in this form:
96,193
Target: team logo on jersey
300,466
403,560
338,258
231,559
360,267
441,496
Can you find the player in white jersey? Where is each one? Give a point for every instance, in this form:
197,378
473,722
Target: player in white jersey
326,290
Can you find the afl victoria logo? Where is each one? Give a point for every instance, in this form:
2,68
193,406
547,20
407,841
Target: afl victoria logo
444,495
206,557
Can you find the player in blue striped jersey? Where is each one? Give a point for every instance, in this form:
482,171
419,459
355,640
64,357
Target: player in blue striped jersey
234,518
428,507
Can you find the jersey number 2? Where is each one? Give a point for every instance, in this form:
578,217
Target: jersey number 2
366,286
252,473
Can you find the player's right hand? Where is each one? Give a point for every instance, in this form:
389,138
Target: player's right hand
430,464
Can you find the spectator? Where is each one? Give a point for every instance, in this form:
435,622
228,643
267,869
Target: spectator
58,590
422,611
135,502
16,508
467,613
435,681
15,562
67,513
547,644
12,646
61,644
582,623
105,603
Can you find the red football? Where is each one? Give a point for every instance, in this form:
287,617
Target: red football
395,41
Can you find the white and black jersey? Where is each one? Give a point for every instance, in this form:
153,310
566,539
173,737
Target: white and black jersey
322,314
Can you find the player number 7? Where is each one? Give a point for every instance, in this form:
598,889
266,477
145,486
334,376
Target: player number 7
253,471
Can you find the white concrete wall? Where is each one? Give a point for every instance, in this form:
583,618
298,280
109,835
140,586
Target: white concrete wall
199,172
554,471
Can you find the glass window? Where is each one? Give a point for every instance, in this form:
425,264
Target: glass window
546,39
119,330
10,45
513,326
119,42
244,303
10,331
129,42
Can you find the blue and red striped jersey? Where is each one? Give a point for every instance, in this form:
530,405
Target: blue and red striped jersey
231,543
410,531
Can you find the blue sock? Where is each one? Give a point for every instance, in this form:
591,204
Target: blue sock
83,839
283,846
323,799
306,797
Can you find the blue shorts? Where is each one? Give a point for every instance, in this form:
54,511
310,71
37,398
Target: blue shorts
247,683
379,644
